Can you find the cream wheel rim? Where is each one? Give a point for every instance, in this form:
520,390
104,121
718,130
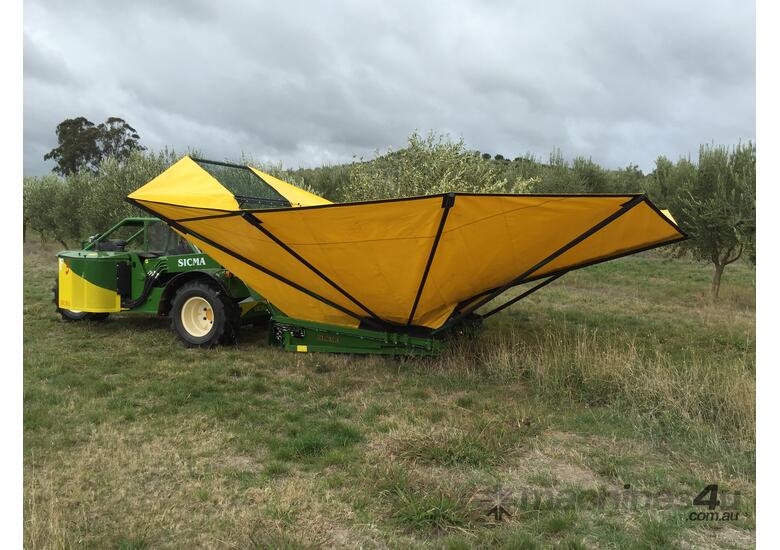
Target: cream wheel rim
197,316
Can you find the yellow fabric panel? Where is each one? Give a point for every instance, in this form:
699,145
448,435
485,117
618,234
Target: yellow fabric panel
186,183
291,301
377,251
256,246
78,294
379,263
252,244
177,213
639,227
296,195
490,240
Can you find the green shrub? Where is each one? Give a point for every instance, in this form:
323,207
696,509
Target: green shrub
49,204
69,209
426,166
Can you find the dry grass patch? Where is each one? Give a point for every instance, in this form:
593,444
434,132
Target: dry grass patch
127,487
130,484
591,367
718,538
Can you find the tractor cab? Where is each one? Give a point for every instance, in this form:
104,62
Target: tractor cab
147,237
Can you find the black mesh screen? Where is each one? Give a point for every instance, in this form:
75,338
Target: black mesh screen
249,190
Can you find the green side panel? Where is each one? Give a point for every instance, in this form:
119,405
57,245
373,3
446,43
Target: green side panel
253,311
236,287
272,309
307,336
99,268
151,304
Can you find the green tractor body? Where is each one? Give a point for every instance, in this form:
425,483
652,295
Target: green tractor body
141,265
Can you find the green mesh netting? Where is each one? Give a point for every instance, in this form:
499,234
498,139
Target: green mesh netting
249,190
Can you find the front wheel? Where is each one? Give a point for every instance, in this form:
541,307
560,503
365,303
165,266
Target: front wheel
203,316
71,314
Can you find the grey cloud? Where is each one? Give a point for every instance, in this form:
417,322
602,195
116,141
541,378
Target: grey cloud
44,64
307,83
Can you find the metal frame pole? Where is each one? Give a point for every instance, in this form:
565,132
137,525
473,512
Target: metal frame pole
257,224
258,267
448,201
521,296
521,278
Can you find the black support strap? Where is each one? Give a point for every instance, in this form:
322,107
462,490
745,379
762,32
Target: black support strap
524,276
448,201
259,267
521,296
257,224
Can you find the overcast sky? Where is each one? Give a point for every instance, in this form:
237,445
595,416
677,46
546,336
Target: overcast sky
308,83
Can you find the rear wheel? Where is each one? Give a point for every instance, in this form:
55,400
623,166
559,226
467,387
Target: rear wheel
74,315
204,316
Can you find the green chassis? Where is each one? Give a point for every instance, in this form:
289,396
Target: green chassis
150,263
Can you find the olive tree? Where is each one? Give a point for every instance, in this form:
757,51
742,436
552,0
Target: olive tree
85,202
427,165
715,203
49,206
102,194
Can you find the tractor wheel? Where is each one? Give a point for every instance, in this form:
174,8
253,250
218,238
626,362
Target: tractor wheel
73,315
203,316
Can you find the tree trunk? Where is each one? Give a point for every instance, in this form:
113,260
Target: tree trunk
716,280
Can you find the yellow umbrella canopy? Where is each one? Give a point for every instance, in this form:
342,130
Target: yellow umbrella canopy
409,262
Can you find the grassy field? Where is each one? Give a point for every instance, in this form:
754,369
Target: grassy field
593,412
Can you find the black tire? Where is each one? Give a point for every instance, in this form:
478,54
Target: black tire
70,315
224,311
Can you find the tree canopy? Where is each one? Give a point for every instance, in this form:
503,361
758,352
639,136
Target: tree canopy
82,145
427,165
714,201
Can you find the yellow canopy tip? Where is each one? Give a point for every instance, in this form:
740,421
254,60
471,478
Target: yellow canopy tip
669,215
